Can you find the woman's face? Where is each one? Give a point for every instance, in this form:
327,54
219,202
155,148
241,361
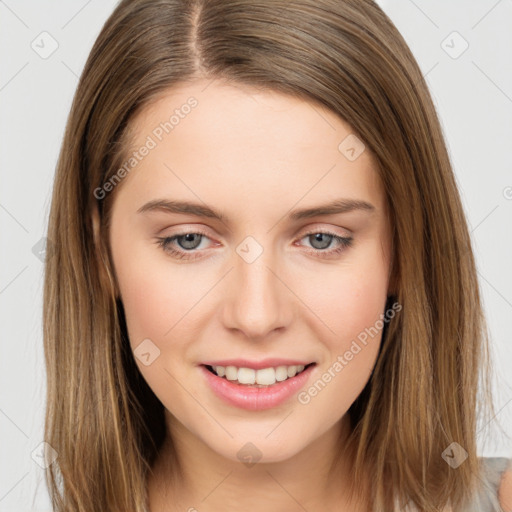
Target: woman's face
262,283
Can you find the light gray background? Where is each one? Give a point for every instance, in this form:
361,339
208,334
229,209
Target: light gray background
473,95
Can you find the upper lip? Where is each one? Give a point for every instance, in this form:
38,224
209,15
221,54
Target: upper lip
257,365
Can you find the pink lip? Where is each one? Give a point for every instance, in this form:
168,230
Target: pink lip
257,365
253,398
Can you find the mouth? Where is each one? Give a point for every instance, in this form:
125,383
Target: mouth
257,378
255,390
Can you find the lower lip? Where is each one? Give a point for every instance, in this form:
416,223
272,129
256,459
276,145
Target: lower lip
253,398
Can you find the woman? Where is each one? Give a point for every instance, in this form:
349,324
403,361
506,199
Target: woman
263,294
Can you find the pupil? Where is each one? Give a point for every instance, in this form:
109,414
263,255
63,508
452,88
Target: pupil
189,239
318,238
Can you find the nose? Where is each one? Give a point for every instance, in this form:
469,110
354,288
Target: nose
257,300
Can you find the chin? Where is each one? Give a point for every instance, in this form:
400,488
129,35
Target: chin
252,449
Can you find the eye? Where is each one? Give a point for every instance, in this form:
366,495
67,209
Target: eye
321,240
186,245
187,241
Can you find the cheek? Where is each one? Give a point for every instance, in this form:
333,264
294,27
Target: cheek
156,295
349,298
158,299
159,295
143,286
354,312
349,304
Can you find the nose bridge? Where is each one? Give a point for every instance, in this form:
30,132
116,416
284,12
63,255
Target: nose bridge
258,302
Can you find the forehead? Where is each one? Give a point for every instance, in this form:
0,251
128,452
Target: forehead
212,136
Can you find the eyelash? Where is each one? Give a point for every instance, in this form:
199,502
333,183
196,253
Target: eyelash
164,243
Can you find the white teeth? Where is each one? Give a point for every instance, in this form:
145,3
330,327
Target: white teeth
266,376
292,370
231,372
281,373
263,377
246,376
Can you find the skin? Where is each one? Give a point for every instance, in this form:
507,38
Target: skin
254,155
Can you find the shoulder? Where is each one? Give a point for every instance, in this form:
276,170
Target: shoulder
505,489
497,479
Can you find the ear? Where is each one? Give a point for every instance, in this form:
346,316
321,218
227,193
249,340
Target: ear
106,274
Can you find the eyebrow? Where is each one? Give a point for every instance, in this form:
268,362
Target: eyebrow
338,206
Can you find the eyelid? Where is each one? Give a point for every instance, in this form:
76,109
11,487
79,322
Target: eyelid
319,227
315,228
344,242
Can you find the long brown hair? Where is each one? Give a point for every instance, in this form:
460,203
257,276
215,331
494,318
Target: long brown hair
103,420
